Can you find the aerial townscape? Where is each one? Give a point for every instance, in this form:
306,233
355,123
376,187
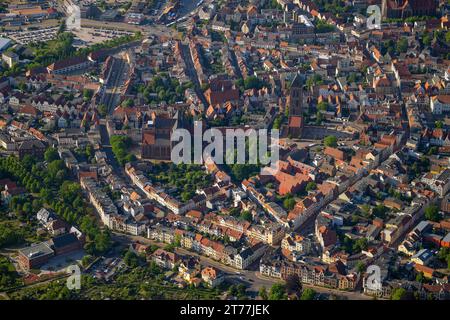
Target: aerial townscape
94,207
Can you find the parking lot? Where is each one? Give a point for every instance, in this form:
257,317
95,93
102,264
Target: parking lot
60,263
29,36
83,37
90,36
105,268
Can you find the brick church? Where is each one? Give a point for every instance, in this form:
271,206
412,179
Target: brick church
156,136
295,107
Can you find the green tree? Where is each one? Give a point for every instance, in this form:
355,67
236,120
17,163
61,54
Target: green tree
27,208
439,124
420,277
87,94
330,141
263,293
426,39
177,241
246,215
360,266
289,203
323,27
102,242
360,244
102,110
22,86
8,275
277,292
313,80
322,106
131,259
10,235
352,77
380,211
253,82
443,253
432,213
277,122
308,294
235,212
433,150
402,45
120,146
399,294
86,260
319,117
128,103
311,186
241,291
187,195
243,171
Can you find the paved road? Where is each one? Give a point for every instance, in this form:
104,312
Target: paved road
247,277
235,63
153,29
251,278
190,9
88,23
191,72
106,148
111,95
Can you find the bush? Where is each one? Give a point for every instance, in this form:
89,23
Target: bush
330,141
278,292
432,213
311,186
399,294
289,203
120,146
308,294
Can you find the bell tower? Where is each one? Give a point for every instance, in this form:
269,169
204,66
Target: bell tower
296,97
295,105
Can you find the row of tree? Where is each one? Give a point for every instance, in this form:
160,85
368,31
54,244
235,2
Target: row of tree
163,88
187,178
49,186
120,146
292,288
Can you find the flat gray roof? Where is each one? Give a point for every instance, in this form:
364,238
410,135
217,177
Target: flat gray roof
4,42
37,250
447,238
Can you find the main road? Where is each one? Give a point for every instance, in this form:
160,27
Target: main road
251,278
191,72
119,73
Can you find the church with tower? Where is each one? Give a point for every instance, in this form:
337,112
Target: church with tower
295,108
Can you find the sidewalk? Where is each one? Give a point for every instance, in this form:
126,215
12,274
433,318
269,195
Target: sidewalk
351,295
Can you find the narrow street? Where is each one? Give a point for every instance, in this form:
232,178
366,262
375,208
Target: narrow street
190,70
251,278
248,277
106,147
111,94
